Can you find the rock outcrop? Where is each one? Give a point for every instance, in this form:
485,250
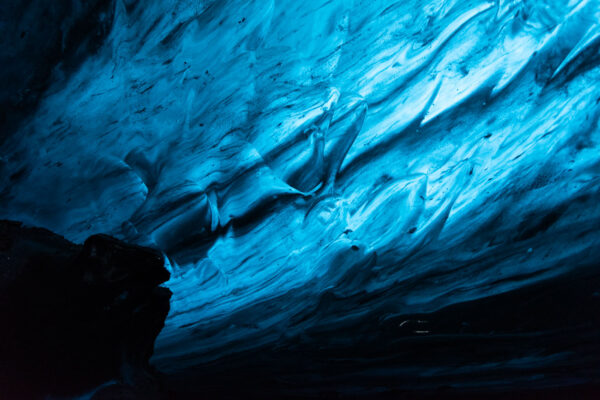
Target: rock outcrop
77,316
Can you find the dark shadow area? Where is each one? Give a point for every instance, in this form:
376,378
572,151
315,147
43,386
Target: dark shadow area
538,342
42,38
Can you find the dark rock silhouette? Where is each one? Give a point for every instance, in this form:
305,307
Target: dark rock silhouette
77,316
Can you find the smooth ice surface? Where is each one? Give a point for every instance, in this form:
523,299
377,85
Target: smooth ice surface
413,153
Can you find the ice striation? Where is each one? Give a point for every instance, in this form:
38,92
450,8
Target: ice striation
310,167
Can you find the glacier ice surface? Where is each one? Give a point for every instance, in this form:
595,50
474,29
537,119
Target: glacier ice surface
416,154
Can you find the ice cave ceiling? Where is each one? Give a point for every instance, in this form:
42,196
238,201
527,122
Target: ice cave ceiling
311,166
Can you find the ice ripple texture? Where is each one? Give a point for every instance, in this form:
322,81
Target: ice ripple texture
412,154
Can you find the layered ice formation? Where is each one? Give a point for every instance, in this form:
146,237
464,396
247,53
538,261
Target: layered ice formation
309,166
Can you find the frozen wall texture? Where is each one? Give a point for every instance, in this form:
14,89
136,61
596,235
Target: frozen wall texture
316,169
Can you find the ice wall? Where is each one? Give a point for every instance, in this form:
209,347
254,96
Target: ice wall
413,154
